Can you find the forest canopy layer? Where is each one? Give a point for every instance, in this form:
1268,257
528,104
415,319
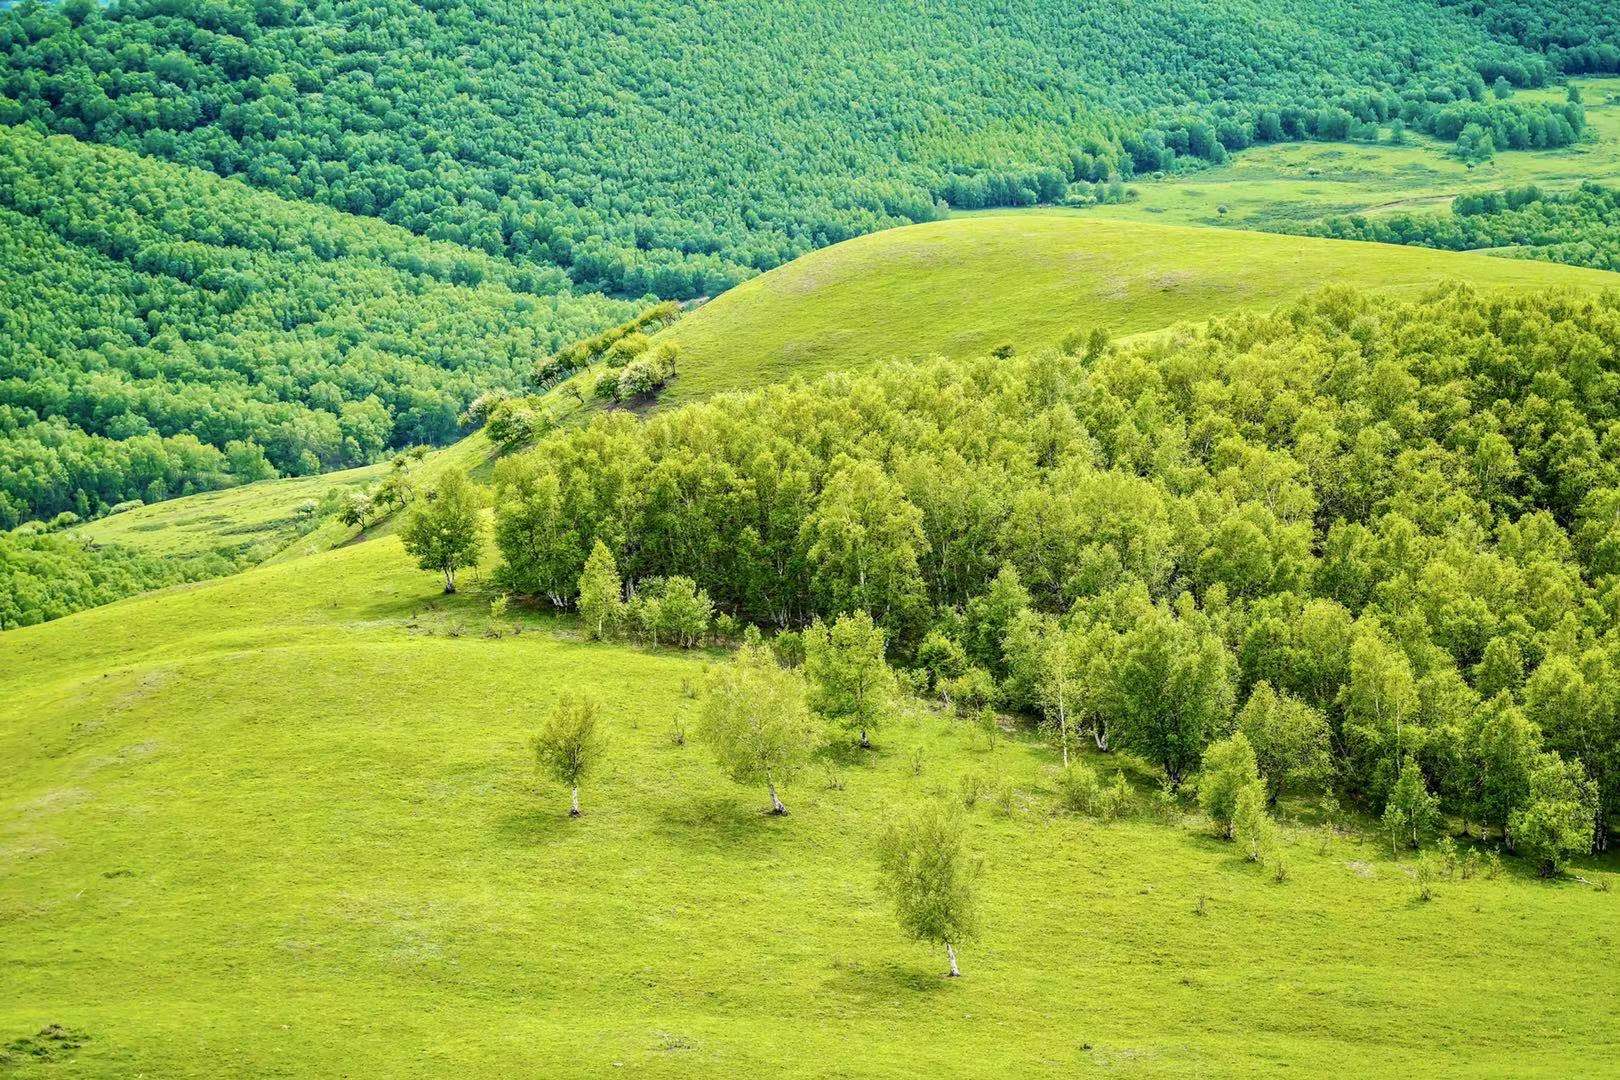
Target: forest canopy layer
163,331
1405,517
677,148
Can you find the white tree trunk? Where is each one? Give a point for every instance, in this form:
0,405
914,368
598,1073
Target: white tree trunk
776,804
449,579
950,954
573,809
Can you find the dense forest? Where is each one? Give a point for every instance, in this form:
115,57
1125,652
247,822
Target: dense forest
45,575
1395,524
164,331
1580,227
675,149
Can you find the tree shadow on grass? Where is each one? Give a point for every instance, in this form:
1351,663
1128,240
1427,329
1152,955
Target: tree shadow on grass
728,822
532,827
876,982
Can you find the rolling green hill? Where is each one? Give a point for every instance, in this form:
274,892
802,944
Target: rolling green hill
961,287
288,824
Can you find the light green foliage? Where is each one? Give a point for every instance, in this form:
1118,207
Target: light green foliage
1501,751
930,877
863,544
1581,227
850,683
1418,810
1555,821
1080,789
1228,770
1172,690
571,744
1290,740
1380,701
601,594
756,723
1046,660
1377,547
444,528
674,611
1252,828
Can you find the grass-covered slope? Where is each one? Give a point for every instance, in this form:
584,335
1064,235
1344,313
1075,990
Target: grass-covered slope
961,287
288,824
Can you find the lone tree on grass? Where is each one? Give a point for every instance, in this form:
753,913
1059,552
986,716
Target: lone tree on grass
570,745
850,683
756,723
930,877
444,529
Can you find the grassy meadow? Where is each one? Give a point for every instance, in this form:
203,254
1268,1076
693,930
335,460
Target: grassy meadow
1292,183
287,824
962,286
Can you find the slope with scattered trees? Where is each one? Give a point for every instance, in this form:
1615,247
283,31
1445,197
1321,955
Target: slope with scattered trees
1399,515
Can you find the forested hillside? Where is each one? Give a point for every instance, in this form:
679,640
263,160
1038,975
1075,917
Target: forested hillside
1403,518
164,331
1580,227
679,148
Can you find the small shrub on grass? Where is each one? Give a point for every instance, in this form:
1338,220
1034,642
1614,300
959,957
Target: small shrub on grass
1252,827
989,726
1424,874
1445,855
1119,801
972,787
1080,790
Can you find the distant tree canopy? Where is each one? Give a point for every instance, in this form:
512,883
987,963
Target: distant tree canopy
632,145
1581,227
163,331
1399,524
44,576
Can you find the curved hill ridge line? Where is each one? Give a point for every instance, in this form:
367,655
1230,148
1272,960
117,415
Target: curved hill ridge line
963,286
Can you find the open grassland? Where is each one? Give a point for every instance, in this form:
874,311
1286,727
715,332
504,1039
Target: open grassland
963,286
287,824
263,520
1284,184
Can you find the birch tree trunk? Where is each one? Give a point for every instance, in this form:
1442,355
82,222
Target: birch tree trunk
776,804
950,954
573,809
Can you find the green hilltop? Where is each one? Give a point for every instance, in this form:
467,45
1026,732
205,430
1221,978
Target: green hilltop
961,287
